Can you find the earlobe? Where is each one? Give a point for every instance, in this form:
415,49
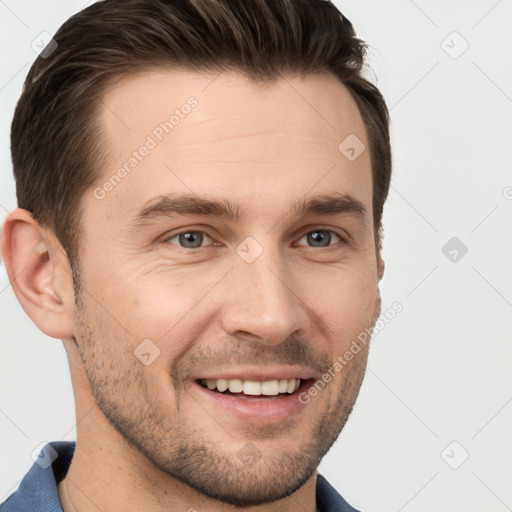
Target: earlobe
377,308
378,300
380,267
33,261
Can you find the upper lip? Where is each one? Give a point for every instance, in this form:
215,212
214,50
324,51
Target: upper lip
259,374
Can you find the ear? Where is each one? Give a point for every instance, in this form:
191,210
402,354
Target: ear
378,299
380,267
39,273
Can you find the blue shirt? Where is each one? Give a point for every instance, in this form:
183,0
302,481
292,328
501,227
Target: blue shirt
37,492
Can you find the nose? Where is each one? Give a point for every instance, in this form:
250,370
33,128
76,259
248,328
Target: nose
262,302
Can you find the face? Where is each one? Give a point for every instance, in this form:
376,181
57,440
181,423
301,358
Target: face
236,251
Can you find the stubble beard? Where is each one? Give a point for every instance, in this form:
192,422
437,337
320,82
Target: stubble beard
119,385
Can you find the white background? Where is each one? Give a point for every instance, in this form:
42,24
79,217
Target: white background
441,370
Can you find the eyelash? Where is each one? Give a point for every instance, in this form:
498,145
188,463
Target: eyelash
324,229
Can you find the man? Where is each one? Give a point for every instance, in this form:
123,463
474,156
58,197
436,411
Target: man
200,189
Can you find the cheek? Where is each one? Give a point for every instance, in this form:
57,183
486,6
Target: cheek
138,294
167,307
171,306
344,303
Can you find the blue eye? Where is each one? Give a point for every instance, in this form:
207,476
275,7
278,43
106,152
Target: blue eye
189,239
320,238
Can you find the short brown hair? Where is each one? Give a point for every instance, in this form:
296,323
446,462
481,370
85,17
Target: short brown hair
55,143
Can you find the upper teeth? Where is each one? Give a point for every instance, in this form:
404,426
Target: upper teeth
253,387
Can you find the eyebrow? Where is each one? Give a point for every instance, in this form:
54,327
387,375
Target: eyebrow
189,204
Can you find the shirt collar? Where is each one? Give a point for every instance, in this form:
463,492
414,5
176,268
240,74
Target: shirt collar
38,490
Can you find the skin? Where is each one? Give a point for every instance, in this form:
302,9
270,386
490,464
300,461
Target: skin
145,429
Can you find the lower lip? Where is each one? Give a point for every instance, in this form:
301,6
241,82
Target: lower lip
265,411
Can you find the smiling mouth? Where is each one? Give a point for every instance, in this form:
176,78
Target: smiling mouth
252,389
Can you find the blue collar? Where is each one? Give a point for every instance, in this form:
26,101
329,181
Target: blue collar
38,490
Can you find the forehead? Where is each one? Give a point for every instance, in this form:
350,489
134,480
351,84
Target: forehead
223,133
318,107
